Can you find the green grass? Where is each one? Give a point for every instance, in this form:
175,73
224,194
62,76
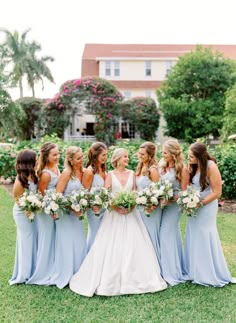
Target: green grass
182,303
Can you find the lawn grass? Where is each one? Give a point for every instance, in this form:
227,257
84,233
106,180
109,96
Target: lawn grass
182,303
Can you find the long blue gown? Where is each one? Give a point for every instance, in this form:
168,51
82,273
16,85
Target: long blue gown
70,246
94,221
153,222
26,248
46,242
172,259
205,262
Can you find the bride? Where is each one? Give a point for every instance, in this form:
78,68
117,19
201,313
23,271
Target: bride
122,259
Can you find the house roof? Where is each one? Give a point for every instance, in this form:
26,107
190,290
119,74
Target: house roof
96,51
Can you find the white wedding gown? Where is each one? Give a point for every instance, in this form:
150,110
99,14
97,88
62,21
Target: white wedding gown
122,259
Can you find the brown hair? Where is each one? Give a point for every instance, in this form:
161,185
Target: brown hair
175,150
44,152
94,151
24,166
151,151
199,151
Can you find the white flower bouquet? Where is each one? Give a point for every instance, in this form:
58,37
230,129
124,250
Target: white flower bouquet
188,200
124,200
165,191
100,197
30,203
54,203
79,202
148,197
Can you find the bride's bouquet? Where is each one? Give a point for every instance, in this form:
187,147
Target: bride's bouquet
30,203
148,197
79,202
165,191
100,197
124,200
188,200
54,203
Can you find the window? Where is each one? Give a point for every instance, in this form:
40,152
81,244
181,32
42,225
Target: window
127,94
148,93
148,68
108,68
116,68
168,67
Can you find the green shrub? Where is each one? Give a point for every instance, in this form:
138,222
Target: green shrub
225,155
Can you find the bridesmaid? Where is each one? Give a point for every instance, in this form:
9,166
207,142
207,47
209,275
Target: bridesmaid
70,247
48,174
147,172
205,260
94,176
172,168
25,257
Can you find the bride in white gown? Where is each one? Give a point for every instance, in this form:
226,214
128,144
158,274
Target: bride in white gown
122,259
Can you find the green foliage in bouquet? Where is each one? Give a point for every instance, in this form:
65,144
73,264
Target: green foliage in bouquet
124,199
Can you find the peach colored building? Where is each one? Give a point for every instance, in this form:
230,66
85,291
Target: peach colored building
136,69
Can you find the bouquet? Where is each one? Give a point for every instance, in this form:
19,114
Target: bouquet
148,197
188,200
54,203
165,190
31,203
79,202
124,200
99,196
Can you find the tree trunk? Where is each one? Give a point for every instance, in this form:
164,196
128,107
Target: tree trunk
21,88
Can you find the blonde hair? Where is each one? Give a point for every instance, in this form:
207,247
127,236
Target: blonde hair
151,151
174,148
117,154
70,153
44,152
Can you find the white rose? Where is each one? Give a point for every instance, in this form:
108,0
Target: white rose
47,210
186,200
75,207
83,202
143,200
81,193
154,200
54,206
185,193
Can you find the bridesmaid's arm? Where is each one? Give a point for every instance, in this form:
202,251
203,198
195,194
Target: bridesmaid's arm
18,189
134,182
108,181
63,180
185,178
215,182
154,175
43,182
87,178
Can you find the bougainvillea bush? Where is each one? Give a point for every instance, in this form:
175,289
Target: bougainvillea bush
94,95
143,112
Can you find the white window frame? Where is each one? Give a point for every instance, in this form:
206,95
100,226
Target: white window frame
148,68
116,68
108,68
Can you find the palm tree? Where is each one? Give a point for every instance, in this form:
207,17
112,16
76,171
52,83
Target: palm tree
19,55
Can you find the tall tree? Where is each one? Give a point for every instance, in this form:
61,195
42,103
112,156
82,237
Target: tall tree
192,98
20,58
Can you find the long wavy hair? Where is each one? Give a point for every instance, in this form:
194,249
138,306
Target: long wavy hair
200,152
44,152
25,167
70,152
174,148
152,161
94,151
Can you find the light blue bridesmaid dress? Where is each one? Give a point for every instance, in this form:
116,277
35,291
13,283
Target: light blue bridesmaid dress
94,221
25,257
46,242
205,262
172,260
70,246
152,223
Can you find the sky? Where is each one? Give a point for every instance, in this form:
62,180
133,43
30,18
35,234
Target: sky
64,27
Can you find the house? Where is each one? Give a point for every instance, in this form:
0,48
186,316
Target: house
136,70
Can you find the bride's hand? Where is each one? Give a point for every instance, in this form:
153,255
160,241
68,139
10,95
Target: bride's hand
123,211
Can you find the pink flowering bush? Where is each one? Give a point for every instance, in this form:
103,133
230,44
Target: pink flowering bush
97,95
